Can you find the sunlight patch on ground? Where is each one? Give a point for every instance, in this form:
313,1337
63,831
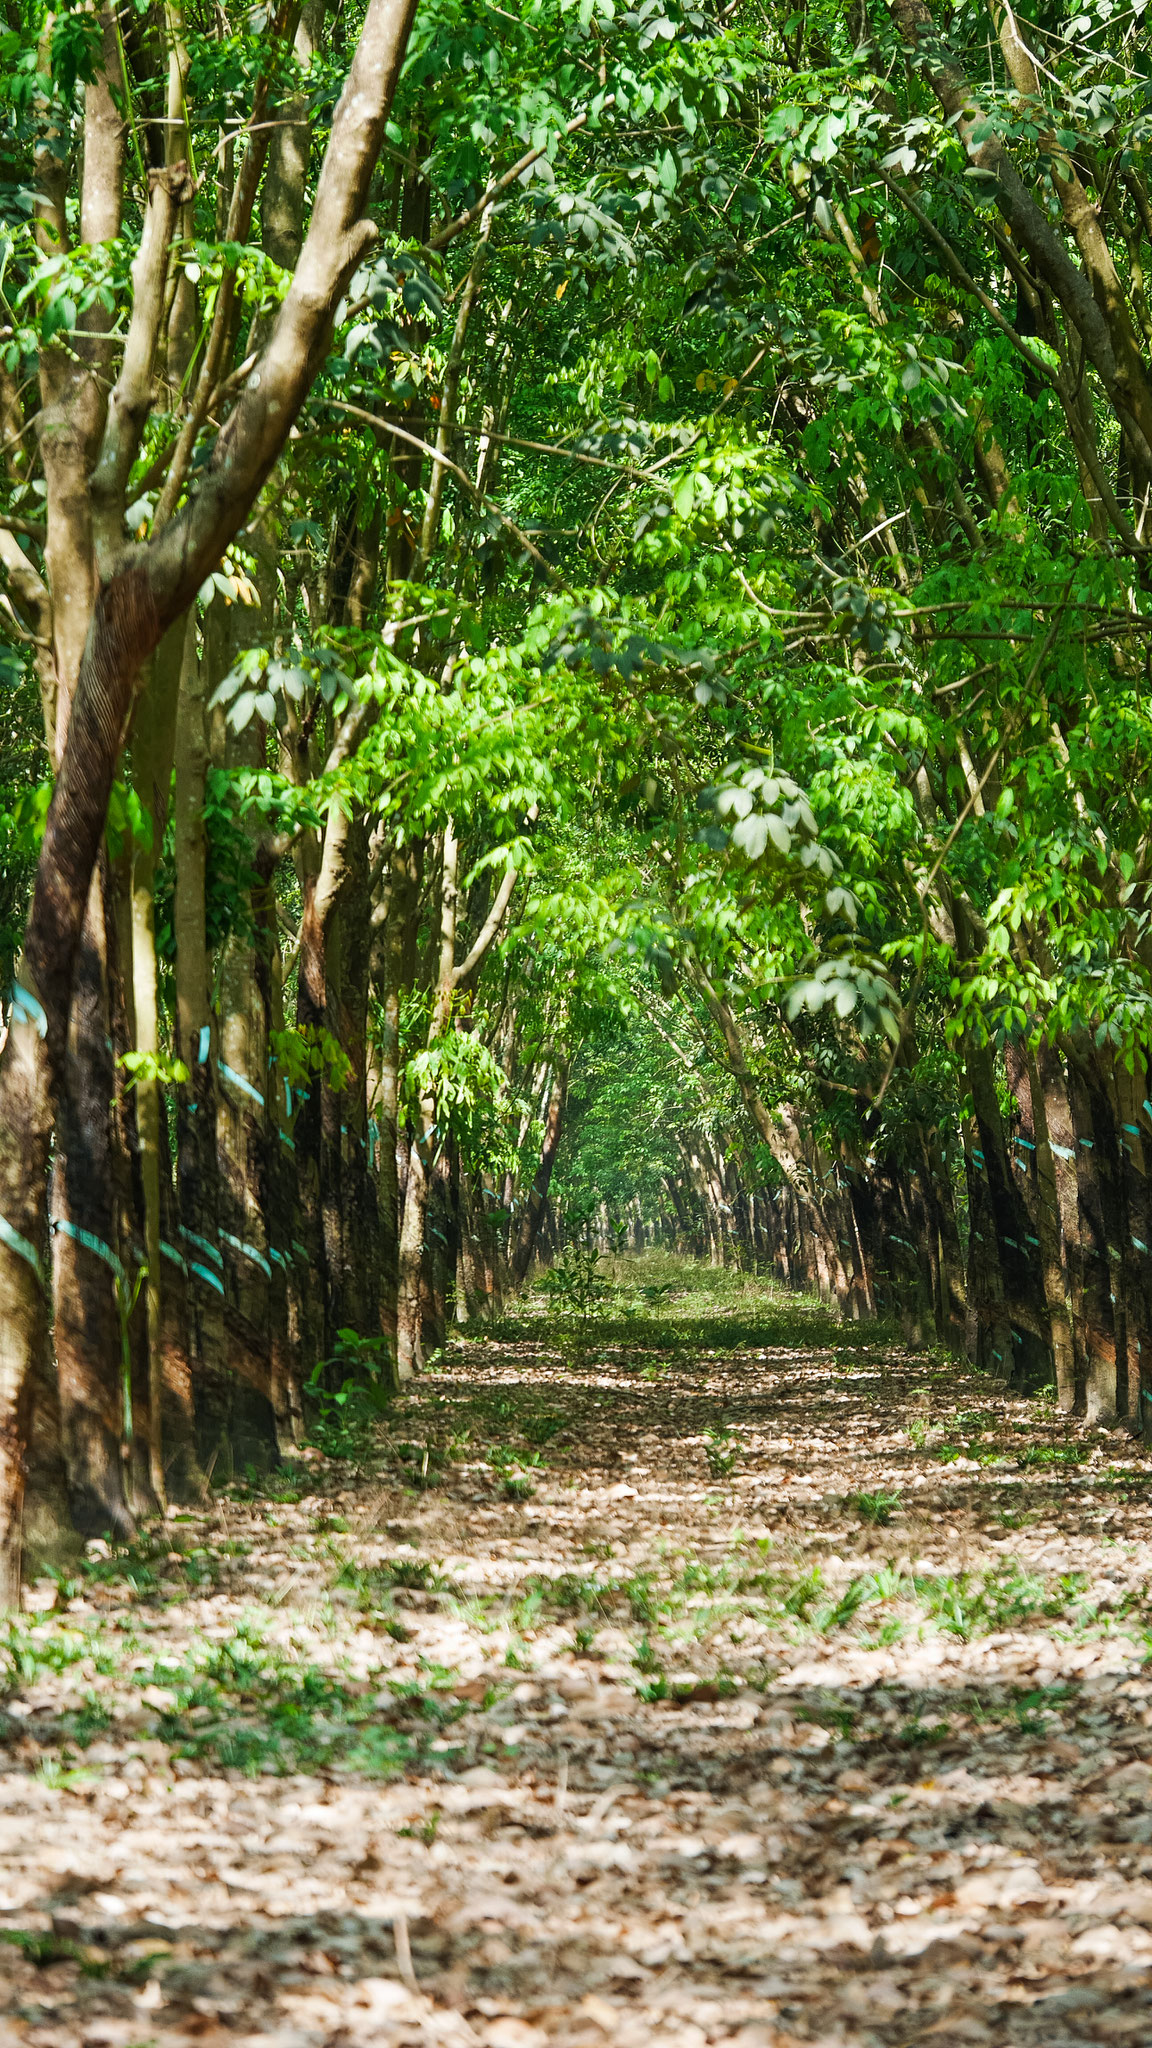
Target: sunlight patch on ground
630,1687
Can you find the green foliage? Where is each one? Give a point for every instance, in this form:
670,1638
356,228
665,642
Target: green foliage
304,1051
44,1949
574,1283
249,1707
721,1450
472,1103
517,1486
875,1508
264,685
146,1066
542,1429
26,1651
350,1395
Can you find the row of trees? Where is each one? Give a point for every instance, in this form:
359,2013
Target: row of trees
548,551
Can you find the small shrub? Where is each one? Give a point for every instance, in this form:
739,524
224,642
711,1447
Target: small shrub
540,1429
423,1464
847,1606
875,1508
802,1595
1038,1456
917,1734
654,1689
574,1284
350,1394
641,1597
26,1653
425,1830
720,1450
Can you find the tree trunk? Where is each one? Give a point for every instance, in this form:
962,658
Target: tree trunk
394,952
1050,1234
1095,1190
88,1273
988,1330
128,1192
153,748
1051,1069
422,1162
139,592
197,1208
532,1213
1018,1282
409,1351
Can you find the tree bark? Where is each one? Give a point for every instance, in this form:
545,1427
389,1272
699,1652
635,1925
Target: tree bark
142,590
153,747
86,1254
532,1213
1049,1232
197,1205
395,945
1098,1229
418,1193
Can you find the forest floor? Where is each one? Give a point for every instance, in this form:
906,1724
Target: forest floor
708,1672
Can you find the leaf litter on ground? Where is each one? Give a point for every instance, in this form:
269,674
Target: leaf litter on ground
645,1676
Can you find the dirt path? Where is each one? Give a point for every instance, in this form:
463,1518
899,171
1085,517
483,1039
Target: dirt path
827,1726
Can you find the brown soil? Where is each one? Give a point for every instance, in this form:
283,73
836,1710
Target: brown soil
419,1796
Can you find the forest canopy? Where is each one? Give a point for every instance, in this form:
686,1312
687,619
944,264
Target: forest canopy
574,612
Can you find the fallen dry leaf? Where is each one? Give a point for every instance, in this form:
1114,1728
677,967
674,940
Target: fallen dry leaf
846,1749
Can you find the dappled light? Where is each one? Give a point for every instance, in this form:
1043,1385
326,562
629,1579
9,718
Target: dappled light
575,1024
715,1673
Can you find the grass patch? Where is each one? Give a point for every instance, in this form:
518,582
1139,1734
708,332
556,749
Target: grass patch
373,1588
721,1450
28,1653
541,1429
1040,1457
45,1949
918,1734
248,1707
877,1509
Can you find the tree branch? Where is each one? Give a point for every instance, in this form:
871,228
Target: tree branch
14,522
464,221
488,930
1127,388
479,498
131,397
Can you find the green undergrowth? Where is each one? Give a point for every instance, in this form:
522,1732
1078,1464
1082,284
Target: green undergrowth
157,1567
688,1339
239,1704
245,1705
660,1304
686,1600
878,1609
44,1949
31,1651
953,1718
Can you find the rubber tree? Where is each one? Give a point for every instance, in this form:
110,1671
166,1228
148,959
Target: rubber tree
120,597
